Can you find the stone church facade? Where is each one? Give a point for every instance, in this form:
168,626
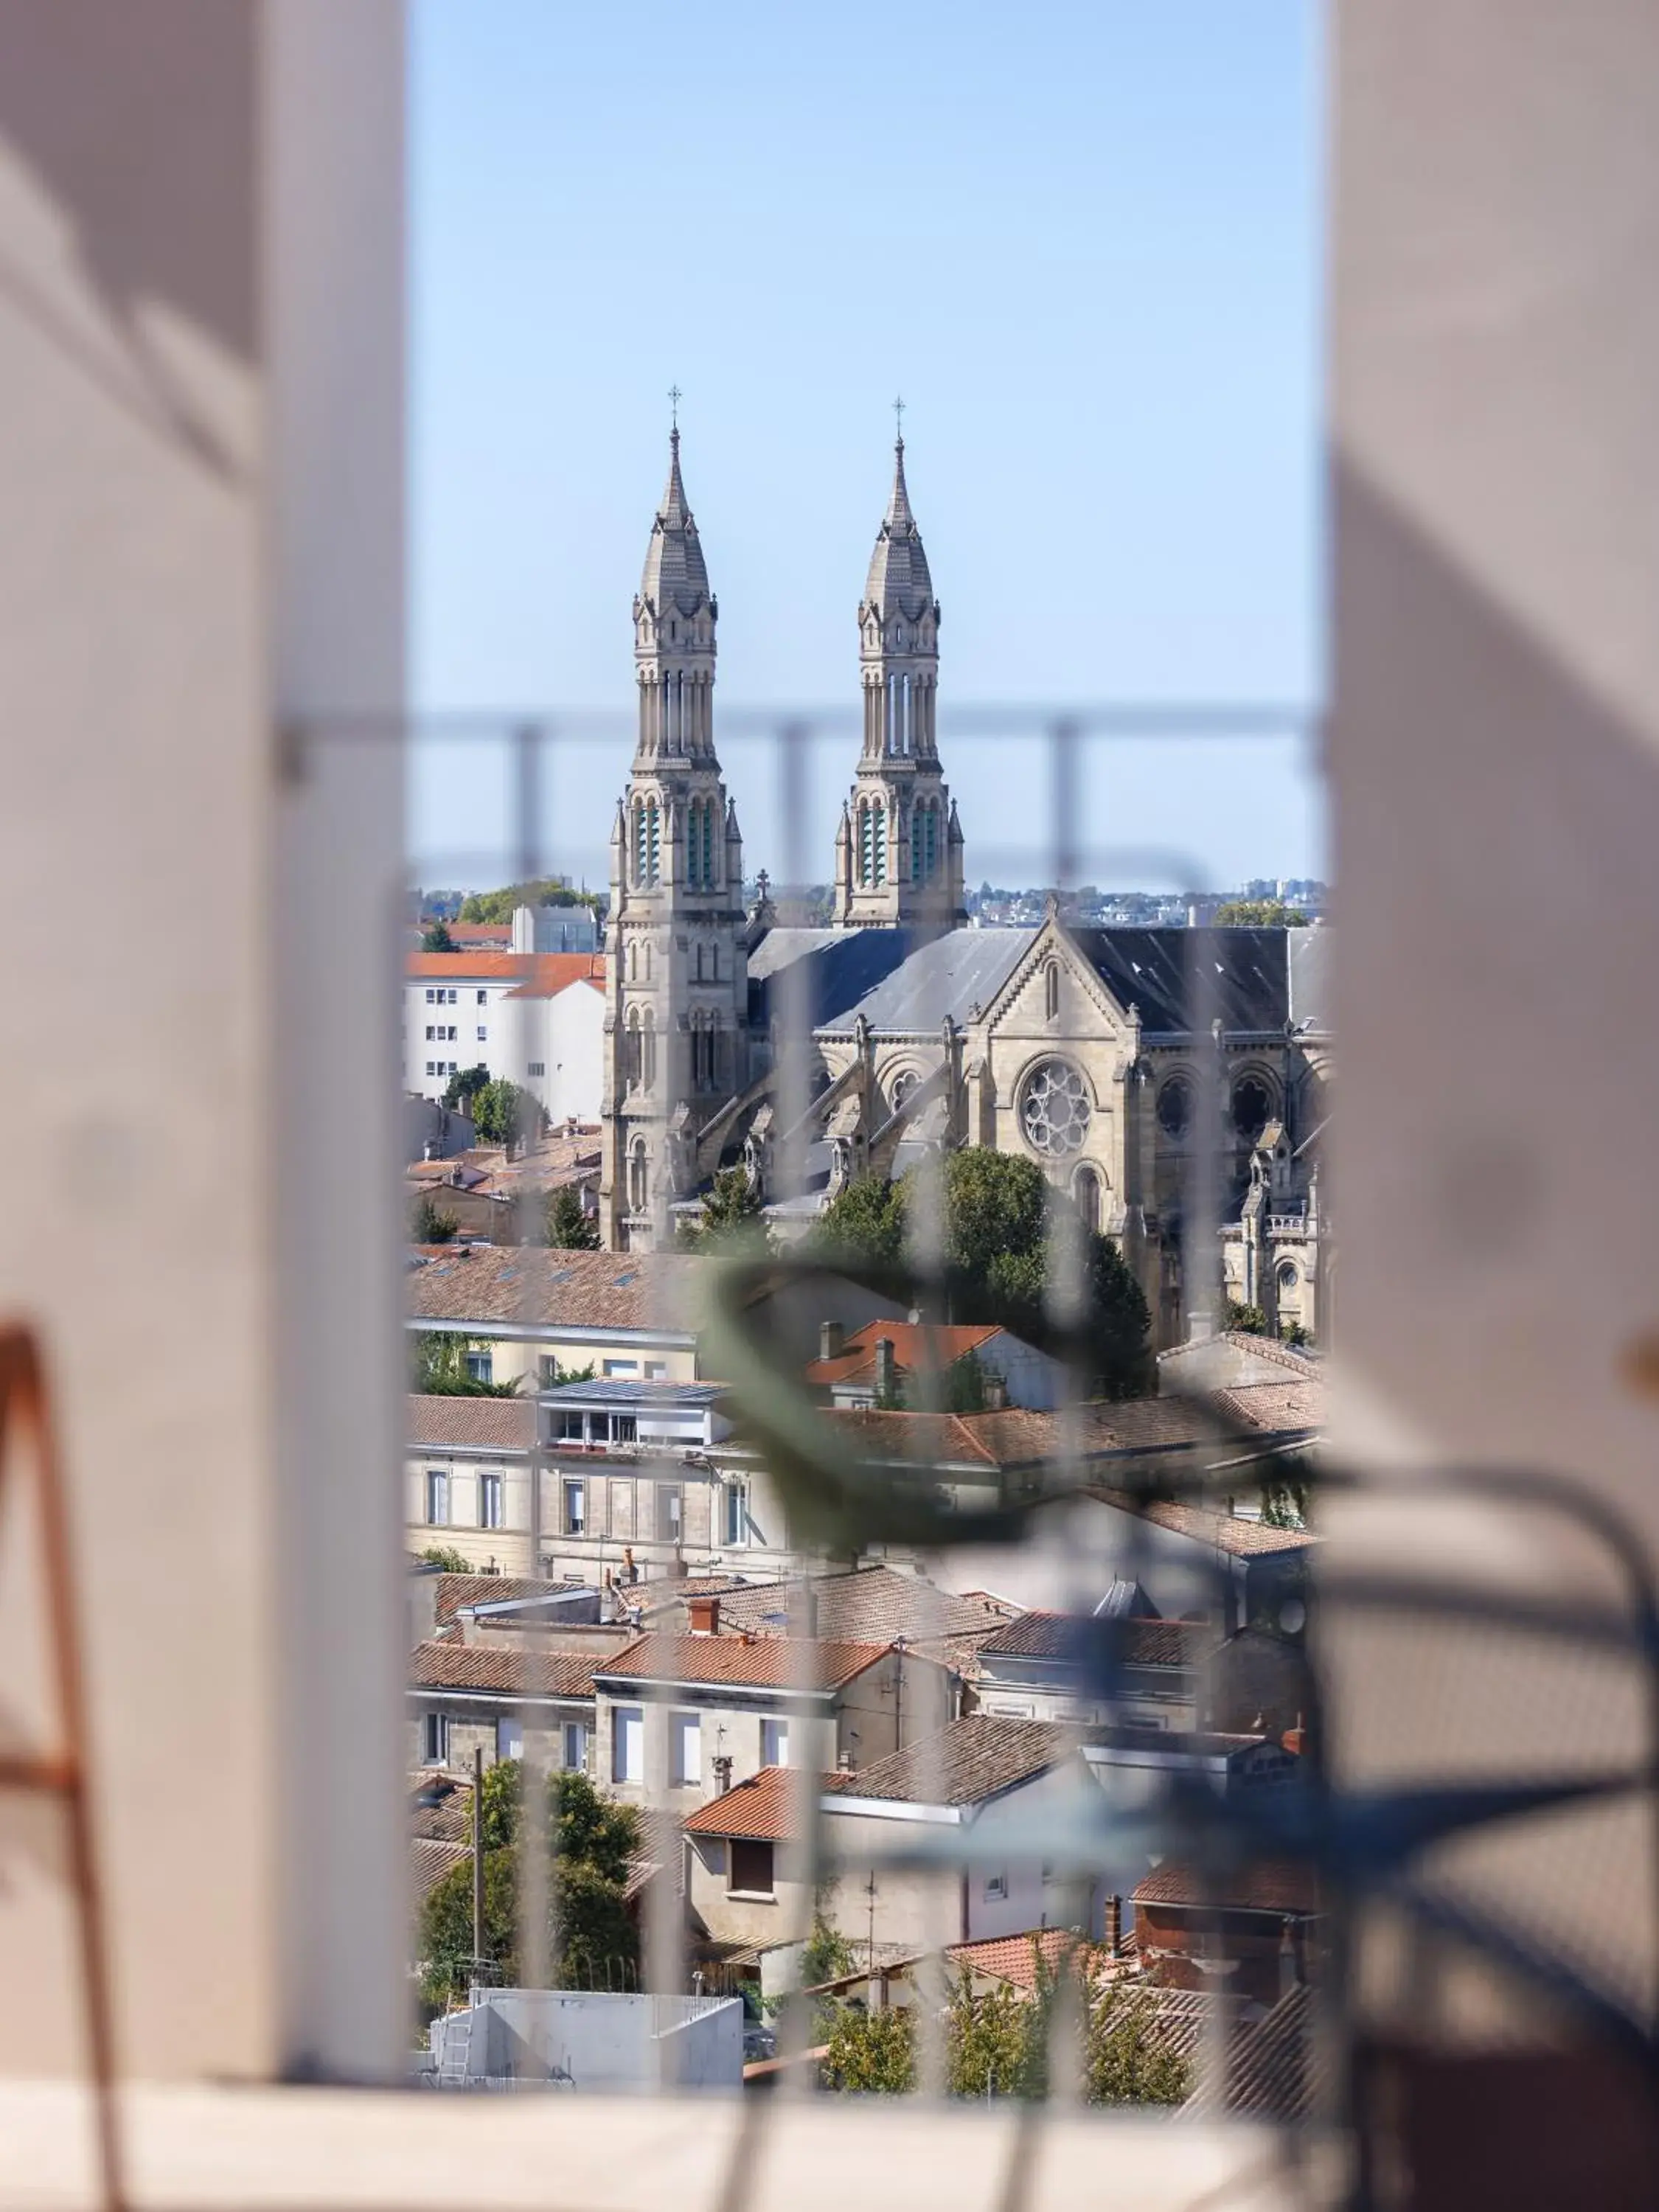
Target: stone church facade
1088,1050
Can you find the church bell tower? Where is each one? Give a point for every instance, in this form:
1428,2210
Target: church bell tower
899,848
676,977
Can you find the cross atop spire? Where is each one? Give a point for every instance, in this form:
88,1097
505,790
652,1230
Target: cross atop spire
898,417
675,396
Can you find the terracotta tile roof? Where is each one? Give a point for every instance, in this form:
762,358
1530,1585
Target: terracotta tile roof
429,1862
466,966
915,1345
871,1605
510,1672
1280,1886
771,1662
1276,2069
1275,1407
551,1289
1012,1959
469,934
1019,1437
1222,1532
768,1807
455,1592
440,1808
547,974
974,1758
1072,1637
453,1424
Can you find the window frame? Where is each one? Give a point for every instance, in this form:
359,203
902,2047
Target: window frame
684,1748
437,1489
492,1497
753,1846
627,1727
435,1738
775,1739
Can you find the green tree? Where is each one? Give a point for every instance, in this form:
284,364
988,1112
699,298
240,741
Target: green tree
463,1087
428,1224
496,906
871,2053
438,1369
1259,914
445,1558
565,1226
731,1215
591,1937
436,938
1249,1320
864,1221
1127,2061
996,1220
995,2042
825,1955
503,1114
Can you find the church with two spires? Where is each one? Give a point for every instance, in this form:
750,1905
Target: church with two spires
1072,1045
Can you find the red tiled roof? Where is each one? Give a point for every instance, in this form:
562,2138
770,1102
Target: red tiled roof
510,1672
1012,1959
547,974
771,1662
866,1605
466,966
457,1423
974,1758
1222,1532
548,1289
1271,1407
1134,1642
429,1861
769,1808
440,1808
456,1592
914,1345
1282,1885
1020,1436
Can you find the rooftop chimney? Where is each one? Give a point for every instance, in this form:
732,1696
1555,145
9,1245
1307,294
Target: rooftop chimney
886,1377
832,1339
1114,1925
705,1615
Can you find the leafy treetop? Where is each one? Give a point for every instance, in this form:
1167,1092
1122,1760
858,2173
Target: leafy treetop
1259,914
996,1215
497,907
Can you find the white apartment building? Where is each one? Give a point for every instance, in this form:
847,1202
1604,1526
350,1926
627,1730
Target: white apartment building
535,1018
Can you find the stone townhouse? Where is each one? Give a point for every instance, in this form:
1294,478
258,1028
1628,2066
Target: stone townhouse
531,1315
466,1699
679,1719
467,1480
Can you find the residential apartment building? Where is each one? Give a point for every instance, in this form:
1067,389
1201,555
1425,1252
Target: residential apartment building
468,1699
531,1315
467,1479
887,1363
534,1018
681,1718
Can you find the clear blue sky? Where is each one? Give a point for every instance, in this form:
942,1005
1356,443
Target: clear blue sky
1083,238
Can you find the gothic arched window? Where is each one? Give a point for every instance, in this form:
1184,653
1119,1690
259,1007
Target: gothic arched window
638,1178
1054,1109
649,1044
1086,1191
1051,991
1253,1106
633,1064
1175,1107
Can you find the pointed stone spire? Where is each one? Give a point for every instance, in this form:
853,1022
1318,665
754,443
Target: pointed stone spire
675,573
899,507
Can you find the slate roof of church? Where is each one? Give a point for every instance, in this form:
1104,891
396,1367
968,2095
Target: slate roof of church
843,966
1151,968
948,975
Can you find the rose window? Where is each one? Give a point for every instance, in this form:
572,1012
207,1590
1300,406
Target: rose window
1053,1109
